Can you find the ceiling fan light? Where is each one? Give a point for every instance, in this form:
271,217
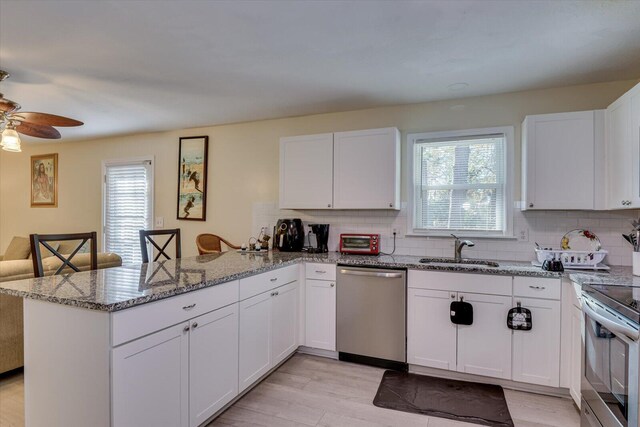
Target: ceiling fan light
10,141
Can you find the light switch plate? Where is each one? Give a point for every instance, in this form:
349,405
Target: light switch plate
159,221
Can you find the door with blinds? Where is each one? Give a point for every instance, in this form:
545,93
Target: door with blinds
127,207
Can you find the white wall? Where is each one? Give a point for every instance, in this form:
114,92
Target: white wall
243,159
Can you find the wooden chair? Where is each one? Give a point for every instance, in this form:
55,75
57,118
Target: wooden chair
43,239
211,244
146,236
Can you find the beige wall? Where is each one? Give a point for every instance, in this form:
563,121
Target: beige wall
243,159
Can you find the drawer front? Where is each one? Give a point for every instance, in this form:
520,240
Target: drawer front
535,287
264,282
132,323
320,271
460,282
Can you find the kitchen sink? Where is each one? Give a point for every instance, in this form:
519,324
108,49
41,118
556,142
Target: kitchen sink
451,262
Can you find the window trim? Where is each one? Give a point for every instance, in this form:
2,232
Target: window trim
413,138
124,162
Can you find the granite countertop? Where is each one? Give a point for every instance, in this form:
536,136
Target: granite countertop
124,287
617,276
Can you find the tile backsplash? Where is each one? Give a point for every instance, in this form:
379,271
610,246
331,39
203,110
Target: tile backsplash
544,227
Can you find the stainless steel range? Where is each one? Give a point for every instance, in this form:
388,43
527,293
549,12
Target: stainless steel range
611,356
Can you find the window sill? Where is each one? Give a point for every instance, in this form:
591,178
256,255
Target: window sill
461,235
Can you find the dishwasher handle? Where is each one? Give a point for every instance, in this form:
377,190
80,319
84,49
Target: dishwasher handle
386,275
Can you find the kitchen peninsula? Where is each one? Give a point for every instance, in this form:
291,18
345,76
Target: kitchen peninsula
174,342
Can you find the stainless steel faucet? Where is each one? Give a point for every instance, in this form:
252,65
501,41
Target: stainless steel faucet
459,244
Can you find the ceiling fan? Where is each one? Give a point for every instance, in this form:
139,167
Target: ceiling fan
14,122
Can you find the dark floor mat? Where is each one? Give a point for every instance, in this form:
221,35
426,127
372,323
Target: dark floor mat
464,401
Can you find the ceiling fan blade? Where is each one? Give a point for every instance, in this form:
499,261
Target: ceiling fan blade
39,131
46,119
8,106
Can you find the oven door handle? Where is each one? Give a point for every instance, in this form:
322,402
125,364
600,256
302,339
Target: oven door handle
629,332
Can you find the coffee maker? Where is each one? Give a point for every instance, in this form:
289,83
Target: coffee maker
288,235
318,238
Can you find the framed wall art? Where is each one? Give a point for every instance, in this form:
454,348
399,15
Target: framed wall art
192,178
44,181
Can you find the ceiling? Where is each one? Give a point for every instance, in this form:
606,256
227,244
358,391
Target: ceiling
135,66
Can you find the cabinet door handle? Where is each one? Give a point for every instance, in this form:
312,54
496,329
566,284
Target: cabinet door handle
275,279
332,285
537,287
530,205
277,293
320,271
195,325
186,328
390,205
273,294
329,205
189,307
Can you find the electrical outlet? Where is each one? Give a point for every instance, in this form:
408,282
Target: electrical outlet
159,222
523,235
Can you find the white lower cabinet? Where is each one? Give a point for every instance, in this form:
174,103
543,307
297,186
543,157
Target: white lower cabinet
575,367
431,337
320,313
213,363
484,348
284,322
268,332
255,339
536,353
150,383
179,376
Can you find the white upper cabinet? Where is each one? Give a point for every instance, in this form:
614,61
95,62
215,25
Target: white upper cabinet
561,161
623,151
345,170
306,172
366,169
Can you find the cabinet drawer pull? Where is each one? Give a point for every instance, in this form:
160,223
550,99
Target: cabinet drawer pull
189,307
275,279
186,329
273,294
195,325
537,287
320,271
277,293
332,285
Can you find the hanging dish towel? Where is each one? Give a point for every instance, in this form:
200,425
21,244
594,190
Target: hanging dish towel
519,319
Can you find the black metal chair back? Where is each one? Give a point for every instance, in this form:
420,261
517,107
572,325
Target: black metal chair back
43,239
147,236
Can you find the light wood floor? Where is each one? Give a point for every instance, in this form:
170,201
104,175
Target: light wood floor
314,391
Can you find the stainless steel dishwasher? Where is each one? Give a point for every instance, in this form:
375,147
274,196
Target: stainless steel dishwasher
371,316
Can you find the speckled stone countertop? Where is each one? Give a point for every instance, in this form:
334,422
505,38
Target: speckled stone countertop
617,276
124,287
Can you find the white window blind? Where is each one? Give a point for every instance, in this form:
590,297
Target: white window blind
127,207
460,183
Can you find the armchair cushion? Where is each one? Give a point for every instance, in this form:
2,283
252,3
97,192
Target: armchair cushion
19,248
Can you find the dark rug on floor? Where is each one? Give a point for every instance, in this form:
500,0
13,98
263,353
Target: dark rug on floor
464,401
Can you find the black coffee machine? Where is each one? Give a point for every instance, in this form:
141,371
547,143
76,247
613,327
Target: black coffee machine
288,235
318,238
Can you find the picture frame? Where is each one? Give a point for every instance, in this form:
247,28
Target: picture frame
193,152
44,181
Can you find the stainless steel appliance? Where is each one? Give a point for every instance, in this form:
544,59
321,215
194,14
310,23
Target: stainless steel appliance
318,238
371,316
363,244
288,235
611,356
